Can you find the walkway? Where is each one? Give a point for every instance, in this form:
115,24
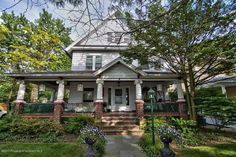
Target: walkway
123,146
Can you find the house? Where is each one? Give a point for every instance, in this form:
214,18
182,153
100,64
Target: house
101,82
225,82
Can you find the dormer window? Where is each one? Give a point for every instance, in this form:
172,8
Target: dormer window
118,37
93,62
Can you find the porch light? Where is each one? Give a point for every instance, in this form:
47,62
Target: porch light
151,93
80,87
42,87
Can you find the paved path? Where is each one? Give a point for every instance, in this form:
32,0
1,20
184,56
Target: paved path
123,146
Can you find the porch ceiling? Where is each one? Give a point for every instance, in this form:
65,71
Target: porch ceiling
51,76
88,76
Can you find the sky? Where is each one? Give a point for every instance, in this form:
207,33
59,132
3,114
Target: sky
32,13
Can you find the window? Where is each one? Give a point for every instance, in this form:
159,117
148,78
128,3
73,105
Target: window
118,37
98,62
88,95
93,62
89,62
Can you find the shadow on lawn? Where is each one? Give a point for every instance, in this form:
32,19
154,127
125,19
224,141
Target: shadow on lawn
219,150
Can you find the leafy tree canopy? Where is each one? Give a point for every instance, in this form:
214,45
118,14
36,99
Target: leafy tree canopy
33,46
193,38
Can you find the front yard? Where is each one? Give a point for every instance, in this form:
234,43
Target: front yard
227,149
41,150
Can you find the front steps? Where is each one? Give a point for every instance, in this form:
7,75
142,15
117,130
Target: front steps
120,123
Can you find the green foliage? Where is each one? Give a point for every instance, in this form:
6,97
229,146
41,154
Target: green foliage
99,146
37,46
34,130
147,146
220,108
75,124
194,47
188,131
209,92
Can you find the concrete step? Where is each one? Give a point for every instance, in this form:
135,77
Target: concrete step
123,132
120,114
118,118
121,127
117,122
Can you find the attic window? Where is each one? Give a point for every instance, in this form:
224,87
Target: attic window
118,37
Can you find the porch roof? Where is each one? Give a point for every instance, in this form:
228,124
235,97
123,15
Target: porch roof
87,75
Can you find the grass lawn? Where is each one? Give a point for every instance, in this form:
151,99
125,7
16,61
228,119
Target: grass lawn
41,150
216,150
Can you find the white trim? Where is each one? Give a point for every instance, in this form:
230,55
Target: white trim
118,60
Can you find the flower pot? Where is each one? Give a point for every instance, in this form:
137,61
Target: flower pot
90,151
166,151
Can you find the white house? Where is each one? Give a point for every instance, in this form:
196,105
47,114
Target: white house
100,76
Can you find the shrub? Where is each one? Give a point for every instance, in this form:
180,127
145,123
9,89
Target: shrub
75,124
221,109
35,126
209,92
34,130
100,147
147,146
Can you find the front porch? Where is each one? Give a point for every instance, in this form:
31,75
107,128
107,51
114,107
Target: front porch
116,87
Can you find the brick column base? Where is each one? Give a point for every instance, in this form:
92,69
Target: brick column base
19,106
58,110
99,109
182,109
139,108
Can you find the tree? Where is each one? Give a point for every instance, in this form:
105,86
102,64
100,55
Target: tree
29,46
194,39
32,46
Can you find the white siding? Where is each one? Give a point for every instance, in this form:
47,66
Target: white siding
79,59
76,96
119,71
100,36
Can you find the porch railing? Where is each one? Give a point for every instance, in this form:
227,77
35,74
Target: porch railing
37,108
162,107
79,107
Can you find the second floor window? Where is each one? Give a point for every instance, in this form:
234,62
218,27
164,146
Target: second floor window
93,62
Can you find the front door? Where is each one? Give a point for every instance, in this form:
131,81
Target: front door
120,100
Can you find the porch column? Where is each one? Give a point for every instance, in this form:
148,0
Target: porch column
139,102
59,102
20,97
99,102
181,101
223,89
167,96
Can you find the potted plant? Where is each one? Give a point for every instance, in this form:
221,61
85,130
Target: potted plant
167,134
89,135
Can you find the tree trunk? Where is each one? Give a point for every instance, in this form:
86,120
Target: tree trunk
192,91
188,99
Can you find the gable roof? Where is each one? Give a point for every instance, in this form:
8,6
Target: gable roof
121,61
96,28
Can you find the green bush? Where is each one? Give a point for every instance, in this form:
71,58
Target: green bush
35,130
209,92
75,124
147,146
222,109
100,147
